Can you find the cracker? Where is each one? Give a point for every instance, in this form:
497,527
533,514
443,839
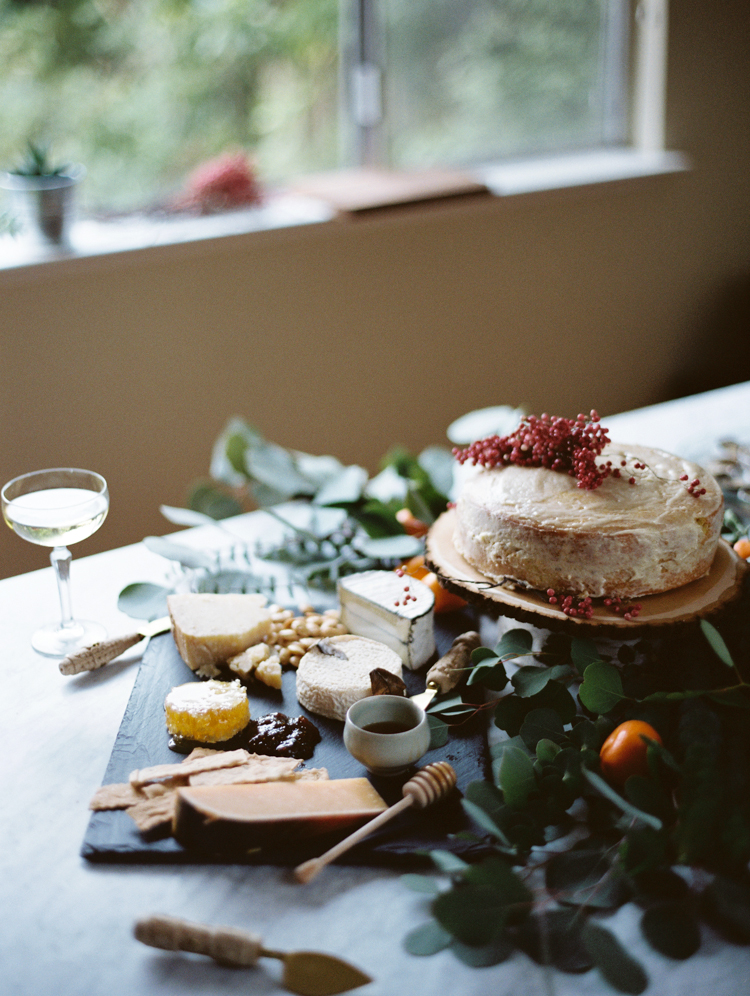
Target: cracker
114,797
259,768
149,814
166,772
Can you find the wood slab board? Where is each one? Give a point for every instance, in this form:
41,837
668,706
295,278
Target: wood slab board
142,740
699,599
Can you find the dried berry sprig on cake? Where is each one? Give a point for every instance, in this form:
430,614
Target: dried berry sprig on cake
568,446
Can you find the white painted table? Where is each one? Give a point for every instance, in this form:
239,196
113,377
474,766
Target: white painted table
66,926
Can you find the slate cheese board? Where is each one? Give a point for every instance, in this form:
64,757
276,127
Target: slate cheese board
142,740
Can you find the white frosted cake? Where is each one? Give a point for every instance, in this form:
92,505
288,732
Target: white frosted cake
537,528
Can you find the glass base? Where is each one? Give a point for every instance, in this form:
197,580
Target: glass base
59,641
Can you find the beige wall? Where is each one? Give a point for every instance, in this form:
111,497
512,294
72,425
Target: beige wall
349,337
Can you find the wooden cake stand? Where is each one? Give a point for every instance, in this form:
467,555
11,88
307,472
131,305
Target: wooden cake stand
689,603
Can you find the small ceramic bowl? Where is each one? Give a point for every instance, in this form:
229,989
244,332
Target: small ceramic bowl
386,733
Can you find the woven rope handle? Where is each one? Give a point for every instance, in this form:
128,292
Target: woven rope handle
450,669
225,945
98,654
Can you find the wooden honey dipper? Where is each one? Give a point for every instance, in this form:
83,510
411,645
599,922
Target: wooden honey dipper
430,784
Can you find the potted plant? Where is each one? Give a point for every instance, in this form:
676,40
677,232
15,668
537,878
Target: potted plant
42,194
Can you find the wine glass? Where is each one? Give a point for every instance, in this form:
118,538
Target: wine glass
52,507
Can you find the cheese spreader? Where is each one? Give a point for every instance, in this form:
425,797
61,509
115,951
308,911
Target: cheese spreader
99,654
307,973
450,670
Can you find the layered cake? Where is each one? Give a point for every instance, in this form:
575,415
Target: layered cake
571,511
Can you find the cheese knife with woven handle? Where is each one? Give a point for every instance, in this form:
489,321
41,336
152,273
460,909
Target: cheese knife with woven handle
447,673
99,654
308,973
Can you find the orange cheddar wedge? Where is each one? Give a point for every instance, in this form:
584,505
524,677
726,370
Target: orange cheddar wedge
223,818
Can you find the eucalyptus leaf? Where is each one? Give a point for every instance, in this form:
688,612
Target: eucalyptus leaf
275,467
514,643
727,902
388,547
672,929
496,873
420,883
498,420
716,641
343,489
546,750
184,555
616,965
438,732
496,749
529,680
553,937
427,939
212,501
448,862
143,600
186,516
317,469
601,689
485,821
475,915
516,777
583,652
572,873
490,672
439,464
648,796
622,804
387,486
542,724
483,957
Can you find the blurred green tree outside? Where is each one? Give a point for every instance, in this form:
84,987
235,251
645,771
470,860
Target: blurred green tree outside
143,91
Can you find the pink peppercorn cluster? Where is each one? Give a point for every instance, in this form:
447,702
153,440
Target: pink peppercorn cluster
408,597
694,488
583,608
616,604
571,605
568,446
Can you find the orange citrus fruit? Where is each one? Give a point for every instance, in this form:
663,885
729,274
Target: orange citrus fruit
445,601
742,548
623,753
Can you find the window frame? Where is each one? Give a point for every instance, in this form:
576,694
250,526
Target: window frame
643,156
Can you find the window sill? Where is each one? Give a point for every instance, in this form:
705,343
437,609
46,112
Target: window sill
91,238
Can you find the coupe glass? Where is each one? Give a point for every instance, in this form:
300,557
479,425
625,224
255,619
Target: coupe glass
53,508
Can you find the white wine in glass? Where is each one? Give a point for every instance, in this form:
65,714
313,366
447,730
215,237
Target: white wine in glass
56,508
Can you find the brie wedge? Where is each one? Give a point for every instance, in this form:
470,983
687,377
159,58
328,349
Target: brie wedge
375,604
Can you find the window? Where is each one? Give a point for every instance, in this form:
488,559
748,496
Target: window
142,91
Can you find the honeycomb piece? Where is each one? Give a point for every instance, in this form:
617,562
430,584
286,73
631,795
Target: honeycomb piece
208,711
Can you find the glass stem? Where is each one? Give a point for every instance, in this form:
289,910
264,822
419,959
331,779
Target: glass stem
60,559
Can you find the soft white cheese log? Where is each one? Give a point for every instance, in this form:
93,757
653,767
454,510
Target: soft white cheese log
209,629
373,605
328,684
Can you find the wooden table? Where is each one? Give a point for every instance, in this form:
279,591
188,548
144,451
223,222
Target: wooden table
67,925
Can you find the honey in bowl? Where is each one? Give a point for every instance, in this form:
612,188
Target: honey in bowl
386,733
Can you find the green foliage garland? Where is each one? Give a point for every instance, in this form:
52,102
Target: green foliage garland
657,843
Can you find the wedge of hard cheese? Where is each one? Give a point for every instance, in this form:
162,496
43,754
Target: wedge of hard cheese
209,629
397,611
237,818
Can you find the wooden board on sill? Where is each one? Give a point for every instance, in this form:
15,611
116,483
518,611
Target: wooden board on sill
359,191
